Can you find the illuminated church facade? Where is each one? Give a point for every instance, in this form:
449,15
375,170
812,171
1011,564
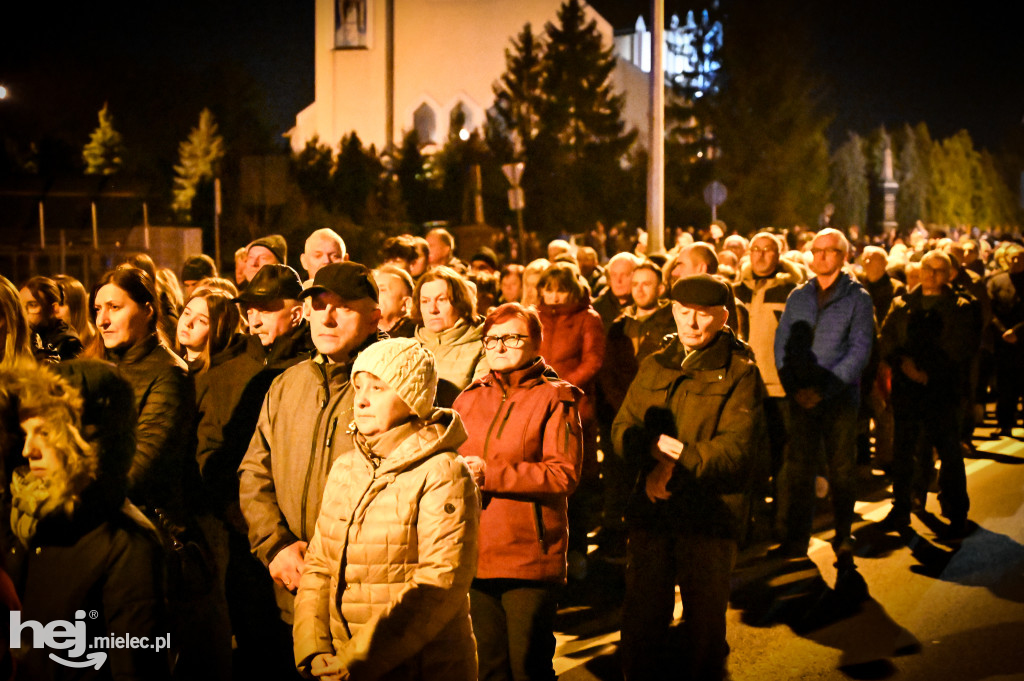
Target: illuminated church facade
386,67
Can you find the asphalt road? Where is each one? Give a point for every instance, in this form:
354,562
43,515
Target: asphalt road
922,608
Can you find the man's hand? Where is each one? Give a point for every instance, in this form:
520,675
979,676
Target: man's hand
476,467
808,398
286,568
657,481
667,449
1010,336
910,370
328,668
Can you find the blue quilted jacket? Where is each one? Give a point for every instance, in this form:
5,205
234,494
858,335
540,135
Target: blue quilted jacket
827,348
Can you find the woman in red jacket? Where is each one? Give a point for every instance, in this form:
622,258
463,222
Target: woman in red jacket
574,347
525,452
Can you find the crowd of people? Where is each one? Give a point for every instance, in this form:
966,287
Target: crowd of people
392,473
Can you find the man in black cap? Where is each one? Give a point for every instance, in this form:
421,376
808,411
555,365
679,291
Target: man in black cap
691,426
229,396
302,426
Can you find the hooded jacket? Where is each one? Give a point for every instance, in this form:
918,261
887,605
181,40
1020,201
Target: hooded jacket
386,582
458,357
765,300
711,400
573,345
92,550
525,425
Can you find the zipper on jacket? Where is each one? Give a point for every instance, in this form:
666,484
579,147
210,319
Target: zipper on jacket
504,421
330,435
312,451
538,519
487,438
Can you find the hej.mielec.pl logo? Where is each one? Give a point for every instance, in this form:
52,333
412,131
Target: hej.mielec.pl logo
72,637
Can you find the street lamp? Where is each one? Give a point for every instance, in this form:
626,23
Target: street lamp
3,92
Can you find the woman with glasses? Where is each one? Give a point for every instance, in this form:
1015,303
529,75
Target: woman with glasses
525,451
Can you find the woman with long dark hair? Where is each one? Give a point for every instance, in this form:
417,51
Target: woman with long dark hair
163,478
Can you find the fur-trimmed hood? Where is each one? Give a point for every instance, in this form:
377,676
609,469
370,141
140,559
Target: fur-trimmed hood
96,406
788,273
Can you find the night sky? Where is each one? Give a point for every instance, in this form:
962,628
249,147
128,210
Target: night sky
886,61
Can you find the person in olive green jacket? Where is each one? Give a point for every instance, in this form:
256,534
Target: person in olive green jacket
691,427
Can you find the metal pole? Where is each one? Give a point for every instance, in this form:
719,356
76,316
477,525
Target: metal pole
656,157
95,229
216,222
145,226
42,227
522,237
63,252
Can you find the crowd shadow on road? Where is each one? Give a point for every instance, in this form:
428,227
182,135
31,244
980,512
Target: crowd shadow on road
843,616
982,559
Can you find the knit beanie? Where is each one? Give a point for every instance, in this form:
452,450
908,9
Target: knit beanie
406,366
274,243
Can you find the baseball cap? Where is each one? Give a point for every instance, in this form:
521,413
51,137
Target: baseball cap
272,282
348,280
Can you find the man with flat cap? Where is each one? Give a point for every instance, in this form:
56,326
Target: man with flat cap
229,397
303,426
690,427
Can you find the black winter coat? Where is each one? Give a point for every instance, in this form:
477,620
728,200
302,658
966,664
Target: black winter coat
163,470
229,397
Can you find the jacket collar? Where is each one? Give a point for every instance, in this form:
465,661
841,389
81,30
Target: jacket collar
564,309
136,352
785,273
459,334
411,442
533,373
715,355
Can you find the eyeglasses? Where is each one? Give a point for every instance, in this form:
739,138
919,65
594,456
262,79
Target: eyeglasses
825,251
511,341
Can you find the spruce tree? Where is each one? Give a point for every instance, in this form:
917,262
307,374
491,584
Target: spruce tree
518,95
312,168
103,155
581,106
912,196
357,176
199,160
849,183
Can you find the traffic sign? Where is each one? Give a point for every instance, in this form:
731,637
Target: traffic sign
514,172
715,194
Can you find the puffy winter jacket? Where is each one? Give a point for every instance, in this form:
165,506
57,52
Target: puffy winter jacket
573,345
385,586
458,356
163,469
765,300
524,424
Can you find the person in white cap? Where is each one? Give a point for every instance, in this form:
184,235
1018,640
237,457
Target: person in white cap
385,589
